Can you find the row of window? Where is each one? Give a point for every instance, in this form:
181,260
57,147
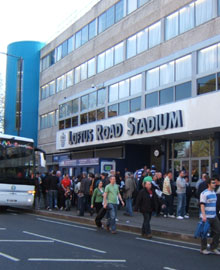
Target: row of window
49,120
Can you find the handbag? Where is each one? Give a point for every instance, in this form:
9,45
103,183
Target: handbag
202,229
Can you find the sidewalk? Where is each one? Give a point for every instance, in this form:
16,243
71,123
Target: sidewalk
162,227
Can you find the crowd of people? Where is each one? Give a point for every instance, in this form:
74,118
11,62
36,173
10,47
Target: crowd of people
146,190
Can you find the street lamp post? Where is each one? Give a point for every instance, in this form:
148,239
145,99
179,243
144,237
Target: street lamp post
18,90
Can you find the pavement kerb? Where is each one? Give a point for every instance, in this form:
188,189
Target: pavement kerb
122,227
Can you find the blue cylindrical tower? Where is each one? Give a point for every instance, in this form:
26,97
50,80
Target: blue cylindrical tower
22,88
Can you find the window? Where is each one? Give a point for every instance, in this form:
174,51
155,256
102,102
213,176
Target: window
142,2
113,110
119,10
101,114
92,29
102,22
92,100
152,78
78,39
64,48
113,92
218,75
70,44
50,119
154,34
91,67
83,119
69,108
62,111
101,62
58,53
135,104
206,84
136,84
131,46
207,59
92,116
219,7
84,102
109,58
142,41
167,73
75,121
119,53
186,18
152,100
69,79
61,83
204,11
166,96
61,125
43,121
68,123
123,108
101,97
52,88
183,91
131,5
124,89
75,106
110,16
171,26
83,71
77,75
183,67
85,34
52,58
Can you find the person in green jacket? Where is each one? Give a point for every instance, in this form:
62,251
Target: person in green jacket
97,197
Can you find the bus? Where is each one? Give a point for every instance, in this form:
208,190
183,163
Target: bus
17,169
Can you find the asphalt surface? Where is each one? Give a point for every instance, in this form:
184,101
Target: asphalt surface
29,241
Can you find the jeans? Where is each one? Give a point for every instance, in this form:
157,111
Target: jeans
146,223
81,205
215,229
111,213
169,204
68,204
53,198
181,204
129,206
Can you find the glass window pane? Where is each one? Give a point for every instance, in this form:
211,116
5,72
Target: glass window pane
135,104
101,62
83,69
154,34
171,26
91,67
206,84
152,100
61,125
186,18
119,53
219,7
52,88
166,96
113,92
113,110
219,54
136,84
52,58
68,123
69,79
100,114
75,106
83,119
131,46
70,44
218,75
85,34
124,89
43,96
119,10
84,102
92,116
207,59
102,22
77,75
92,100
204,11
167,73
201,148
75,121
51,118
142,2
183,91
181,149
62,111
131,6
184,67
123,108
153,78
101,97
142,41
78,39
92,29
109,58
69,108
58,53
110,16
64,48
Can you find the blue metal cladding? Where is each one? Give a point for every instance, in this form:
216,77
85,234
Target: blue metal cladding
30,53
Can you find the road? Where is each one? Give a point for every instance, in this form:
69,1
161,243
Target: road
29,241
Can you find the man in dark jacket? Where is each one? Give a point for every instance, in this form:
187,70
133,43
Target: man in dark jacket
53,182
146,203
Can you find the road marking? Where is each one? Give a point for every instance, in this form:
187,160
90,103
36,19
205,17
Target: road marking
76,260
9,257
2,229
64,242
26,241
168,268
66,224
167,244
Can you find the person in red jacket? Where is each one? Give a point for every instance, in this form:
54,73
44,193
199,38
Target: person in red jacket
66,182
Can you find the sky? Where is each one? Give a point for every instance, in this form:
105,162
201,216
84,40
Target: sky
38,20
